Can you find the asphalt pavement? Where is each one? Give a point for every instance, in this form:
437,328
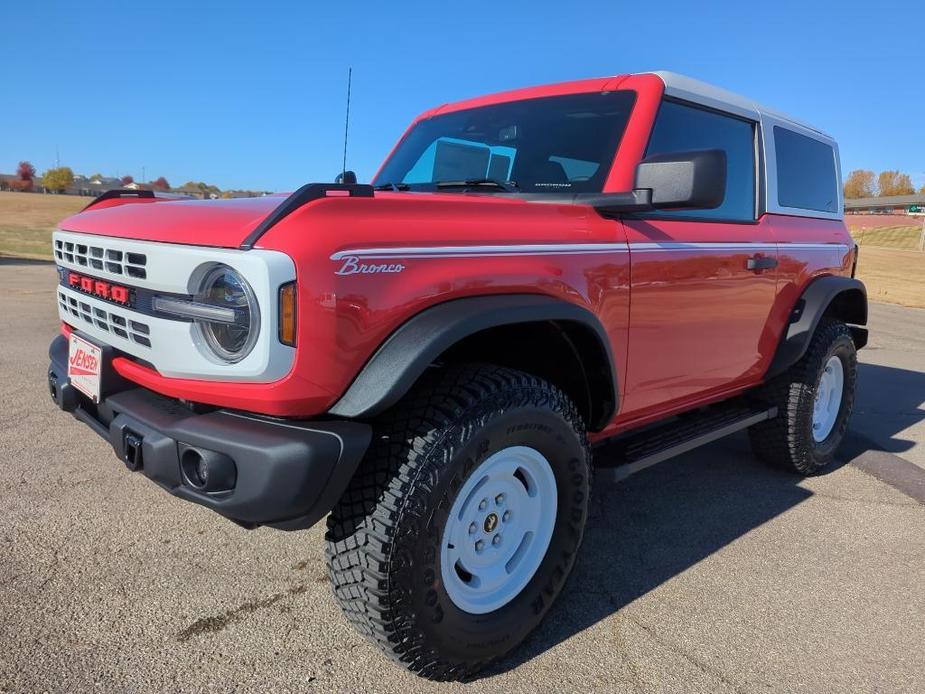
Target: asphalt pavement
889,410
706,573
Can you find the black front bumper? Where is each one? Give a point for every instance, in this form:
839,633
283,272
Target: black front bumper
282,473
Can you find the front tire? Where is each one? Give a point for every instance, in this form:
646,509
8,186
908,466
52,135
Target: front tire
814,399
464,520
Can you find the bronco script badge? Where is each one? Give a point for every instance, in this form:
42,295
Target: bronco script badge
353,266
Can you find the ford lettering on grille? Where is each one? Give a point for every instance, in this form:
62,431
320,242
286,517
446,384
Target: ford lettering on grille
100,288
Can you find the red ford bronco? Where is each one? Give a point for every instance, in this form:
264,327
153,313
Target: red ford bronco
642,259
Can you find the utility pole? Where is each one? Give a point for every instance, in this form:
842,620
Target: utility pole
143,179
57,158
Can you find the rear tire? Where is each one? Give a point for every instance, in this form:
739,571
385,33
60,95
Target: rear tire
406,511
814,399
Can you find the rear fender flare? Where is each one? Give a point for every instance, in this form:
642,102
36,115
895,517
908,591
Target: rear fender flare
846,295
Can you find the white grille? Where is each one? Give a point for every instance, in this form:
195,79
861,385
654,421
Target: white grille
106,320
172,347
95,257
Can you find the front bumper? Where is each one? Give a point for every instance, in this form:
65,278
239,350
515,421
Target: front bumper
282,473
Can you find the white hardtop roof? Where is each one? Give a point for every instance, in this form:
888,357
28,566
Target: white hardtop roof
689,89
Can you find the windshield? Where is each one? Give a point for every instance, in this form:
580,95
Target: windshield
557,144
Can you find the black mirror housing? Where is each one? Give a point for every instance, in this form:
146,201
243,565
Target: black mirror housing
684,180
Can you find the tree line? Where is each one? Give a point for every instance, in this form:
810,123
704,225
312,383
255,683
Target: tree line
60,178
862,183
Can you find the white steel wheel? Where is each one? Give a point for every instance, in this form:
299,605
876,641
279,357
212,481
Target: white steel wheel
498,530
828,398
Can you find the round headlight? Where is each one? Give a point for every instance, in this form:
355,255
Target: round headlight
232,336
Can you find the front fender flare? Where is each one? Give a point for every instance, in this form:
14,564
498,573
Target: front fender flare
417,343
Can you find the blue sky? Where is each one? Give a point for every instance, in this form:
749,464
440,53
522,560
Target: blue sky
251,95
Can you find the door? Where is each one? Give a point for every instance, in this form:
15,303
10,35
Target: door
702,282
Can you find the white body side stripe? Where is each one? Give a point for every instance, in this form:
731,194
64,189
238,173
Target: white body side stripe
480,251
416,252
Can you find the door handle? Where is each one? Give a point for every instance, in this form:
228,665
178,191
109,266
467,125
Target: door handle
758,263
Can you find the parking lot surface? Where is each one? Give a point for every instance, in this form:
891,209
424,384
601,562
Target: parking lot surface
707,573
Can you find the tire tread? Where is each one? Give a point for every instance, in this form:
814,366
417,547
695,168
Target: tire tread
781,441
362,528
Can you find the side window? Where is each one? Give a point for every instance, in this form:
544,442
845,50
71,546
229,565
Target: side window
679,128
805,172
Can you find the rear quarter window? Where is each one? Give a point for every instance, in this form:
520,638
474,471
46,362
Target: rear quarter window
806,177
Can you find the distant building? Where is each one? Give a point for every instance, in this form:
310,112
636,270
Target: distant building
91,187
243,194
191,191
889,204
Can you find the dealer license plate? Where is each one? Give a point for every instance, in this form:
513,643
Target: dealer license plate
84,364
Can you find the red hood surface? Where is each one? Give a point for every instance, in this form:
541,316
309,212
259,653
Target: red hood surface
223,223
386,218
227,223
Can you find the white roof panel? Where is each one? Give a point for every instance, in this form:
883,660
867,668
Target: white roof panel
690,89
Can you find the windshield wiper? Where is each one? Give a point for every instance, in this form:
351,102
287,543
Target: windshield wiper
507,186
392,186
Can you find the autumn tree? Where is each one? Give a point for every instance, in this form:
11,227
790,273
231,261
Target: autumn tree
859,184
895,183
25,171
161,183
58,179
125,180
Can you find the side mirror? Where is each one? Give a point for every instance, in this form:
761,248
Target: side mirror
346,177
684,180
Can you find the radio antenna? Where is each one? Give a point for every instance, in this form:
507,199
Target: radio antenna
347,121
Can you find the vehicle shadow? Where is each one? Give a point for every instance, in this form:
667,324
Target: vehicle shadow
12,260
888,401
655,525
663,520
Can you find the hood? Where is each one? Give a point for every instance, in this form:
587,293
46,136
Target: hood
222,223
382,218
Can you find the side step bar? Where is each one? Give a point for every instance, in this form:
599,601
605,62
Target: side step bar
637,451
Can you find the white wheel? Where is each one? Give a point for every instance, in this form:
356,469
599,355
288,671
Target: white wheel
828,398
498,529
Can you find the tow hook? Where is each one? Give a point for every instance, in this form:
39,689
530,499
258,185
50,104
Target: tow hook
131,450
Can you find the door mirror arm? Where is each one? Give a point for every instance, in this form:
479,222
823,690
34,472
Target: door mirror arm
615,204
